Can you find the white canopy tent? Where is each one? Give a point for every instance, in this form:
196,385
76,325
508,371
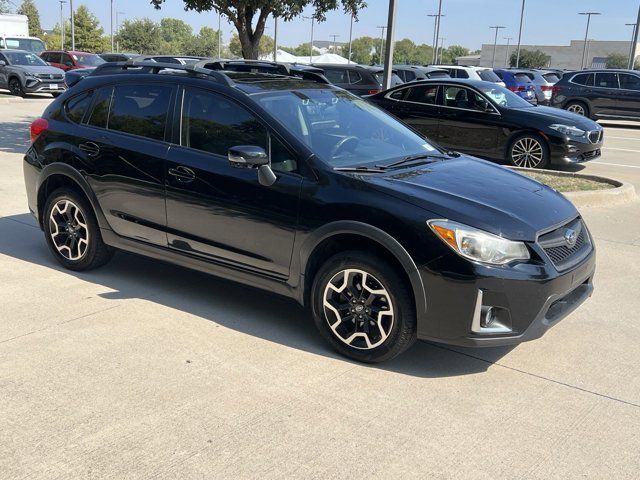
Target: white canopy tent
282,56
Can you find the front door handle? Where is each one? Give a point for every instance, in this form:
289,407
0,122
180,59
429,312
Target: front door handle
90,148
182,174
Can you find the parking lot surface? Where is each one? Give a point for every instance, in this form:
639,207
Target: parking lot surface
145,370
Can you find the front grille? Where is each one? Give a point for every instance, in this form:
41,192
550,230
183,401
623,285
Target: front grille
49,76
591,155
558,248
595,136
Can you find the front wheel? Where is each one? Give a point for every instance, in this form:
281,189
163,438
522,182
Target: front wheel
528,151
15,87
577,107
72,232
363,308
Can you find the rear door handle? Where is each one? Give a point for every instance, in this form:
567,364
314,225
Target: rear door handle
90,148
182,174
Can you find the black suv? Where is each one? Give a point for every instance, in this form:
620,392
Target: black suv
359,79
600,94
303,189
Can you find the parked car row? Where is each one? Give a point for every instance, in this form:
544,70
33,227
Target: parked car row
297,187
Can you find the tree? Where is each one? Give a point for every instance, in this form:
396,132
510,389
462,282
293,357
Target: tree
28,8
5,6
530,59
177,35
88,33
205,44
301,50
363,48
243,13
140,36
617,60
54,39
265,47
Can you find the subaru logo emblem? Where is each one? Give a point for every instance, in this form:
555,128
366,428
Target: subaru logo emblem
570,237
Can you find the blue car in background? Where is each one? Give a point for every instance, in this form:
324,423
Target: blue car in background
518,82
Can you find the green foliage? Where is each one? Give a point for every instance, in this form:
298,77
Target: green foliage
28,8
249,16
363,50
235,46
530,59
88,33
54,39
140,36
617,60
301,50
176,34
205,44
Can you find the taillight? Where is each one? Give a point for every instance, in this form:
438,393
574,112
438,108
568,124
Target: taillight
555,89
38,126
517,89
546,88
373,92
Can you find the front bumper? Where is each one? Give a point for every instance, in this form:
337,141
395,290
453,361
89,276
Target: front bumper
36,85
530,298
570,151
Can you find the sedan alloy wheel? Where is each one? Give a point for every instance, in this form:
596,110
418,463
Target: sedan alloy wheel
527,152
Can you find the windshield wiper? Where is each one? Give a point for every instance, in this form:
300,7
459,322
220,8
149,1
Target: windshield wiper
360,168
411,158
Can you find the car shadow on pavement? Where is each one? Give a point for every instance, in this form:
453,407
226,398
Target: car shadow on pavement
244,309
14,136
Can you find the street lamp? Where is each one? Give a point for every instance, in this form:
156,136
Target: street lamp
506,55
310,44
495,43
436,19
219,35
586,34
437,34
73,32
350,38
111,15
520,34
382,29
634,43
439,59
62,2
275,38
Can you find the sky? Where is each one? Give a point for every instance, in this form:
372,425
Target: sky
466,22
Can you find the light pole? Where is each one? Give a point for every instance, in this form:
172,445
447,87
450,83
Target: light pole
350,38
391,30
62,2
495,43
436,18
111,15
311,43
586,34
275,38
439,58
437,34
219,35
73,32
382,29
506,55
334,42
634,43
520,34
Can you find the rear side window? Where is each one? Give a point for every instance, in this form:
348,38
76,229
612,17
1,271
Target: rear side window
585,79
461,73
77,106
336,75
488,76
551,77
629,82
399,94
522,77
354,77
439,75
408,76
213,124
606,80
100,112
140,110
500,75
425,94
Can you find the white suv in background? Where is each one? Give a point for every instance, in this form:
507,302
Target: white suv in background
474,73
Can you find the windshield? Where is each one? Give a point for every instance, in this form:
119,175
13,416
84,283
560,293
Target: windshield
505,98
489,76
88,60
24,58
342,129
29,44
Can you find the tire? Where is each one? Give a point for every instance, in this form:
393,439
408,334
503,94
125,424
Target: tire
579,108
387,334
15,87
528,150
83,248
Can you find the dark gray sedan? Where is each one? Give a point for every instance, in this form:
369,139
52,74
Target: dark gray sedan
23,72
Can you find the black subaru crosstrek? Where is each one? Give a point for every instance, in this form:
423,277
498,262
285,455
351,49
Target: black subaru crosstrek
303,189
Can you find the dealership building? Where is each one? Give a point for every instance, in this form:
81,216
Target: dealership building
562,56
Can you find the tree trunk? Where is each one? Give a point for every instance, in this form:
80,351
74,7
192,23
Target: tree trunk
249,37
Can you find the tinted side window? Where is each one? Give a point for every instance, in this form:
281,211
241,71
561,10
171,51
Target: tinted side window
606,80
464,98
583,79
66,59
140,110
336,75
100,113
399,94
77,106
409,76
354,77
213,124
522,77
629,82
425,95
462,74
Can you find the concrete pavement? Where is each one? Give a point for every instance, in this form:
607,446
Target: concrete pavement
146,370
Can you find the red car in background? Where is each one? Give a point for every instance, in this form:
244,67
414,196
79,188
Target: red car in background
71,60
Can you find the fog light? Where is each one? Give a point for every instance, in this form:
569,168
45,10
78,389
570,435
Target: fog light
487,317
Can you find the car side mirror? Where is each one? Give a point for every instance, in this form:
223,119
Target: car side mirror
252,156
2,63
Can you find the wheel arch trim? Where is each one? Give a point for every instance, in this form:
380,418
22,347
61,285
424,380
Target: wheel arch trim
370,232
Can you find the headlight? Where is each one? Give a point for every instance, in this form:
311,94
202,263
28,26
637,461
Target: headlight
568,130
30,75
478,245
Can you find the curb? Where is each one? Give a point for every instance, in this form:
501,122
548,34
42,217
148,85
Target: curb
620,193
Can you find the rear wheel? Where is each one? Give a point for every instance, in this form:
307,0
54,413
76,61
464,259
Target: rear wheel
72,232
577,107
528,151
15,87
363,308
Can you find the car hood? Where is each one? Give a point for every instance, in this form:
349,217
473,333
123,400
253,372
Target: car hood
40,69
480,194
557,115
